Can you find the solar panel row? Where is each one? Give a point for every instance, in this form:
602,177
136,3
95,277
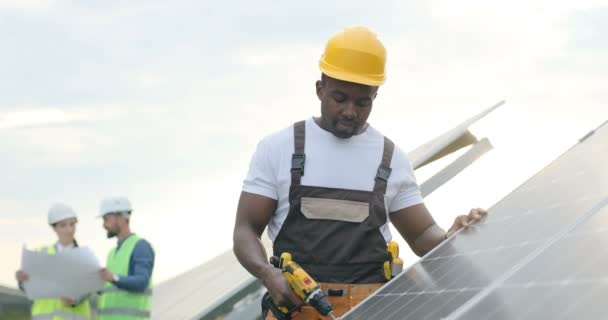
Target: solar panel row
544,245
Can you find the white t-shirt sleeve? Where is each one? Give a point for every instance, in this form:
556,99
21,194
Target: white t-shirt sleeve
261,178
408,192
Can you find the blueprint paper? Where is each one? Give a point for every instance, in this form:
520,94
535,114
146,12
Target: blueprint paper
71,273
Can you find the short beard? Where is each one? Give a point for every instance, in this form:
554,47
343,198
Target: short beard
345,134
111,234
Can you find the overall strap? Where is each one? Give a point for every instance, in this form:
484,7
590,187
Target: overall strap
384,170
298,158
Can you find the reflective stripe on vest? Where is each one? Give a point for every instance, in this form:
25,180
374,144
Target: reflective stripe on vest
59,313
125,312
116,303
53,309
147,292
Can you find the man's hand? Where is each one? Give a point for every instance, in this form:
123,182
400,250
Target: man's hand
21,276
279,289
68,302
464,221
106,275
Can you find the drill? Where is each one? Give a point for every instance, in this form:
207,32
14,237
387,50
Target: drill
394,266
303,285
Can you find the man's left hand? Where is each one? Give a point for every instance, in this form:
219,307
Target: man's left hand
464,221
106,275
68,302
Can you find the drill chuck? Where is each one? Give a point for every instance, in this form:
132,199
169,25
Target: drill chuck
318,300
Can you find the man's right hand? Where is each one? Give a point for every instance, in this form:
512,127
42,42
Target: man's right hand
279,288
21,276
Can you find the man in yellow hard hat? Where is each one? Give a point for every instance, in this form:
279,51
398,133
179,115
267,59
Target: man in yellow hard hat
327,186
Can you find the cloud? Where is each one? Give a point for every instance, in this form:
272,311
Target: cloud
36,117
26,5
53,135
14,211
275,57
19,222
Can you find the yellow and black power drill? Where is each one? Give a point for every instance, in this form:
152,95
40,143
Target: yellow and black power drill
394,266
303,285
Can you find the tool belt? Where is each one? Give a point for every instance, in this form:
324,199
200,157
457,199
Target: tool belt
343,297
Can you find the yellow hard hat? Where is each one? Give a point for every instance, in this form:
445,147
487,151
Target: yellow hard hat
355,55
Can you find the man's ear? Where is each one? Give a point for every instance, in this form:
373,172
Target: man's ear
376,93
319,88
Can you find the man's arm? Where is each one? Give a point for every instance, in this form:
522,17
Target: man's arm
142,264
252,216
418,228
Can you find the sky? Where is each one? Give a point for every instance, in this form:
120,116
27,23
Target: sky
165,101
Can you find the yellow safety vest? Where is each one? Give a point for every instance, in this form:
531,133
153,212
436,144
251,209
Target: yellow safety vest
54,309
119,304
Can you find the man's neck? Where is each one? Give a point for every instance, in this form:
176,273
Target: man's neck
124,234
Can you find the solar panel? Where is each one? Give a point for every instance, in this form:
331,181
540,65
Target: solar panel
541,253
450,171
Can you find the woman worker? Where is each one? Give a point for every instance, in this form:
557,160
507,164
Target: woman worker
63,220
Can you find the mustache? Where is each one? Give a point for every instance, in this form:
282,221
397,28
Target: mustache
348,122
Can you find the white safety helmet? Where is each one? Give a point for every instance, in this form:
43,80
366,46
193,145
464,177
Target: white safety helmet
111,205
59,212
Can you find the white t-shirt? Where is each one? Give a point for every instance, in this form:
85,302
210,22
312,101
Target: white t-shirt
331,162
61,248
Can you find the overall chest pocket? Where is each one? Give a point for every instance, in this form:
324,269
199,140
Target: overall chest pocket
334,209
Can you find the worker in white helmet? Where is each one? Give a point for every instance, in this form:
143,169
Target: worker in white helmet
128,275
63,220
